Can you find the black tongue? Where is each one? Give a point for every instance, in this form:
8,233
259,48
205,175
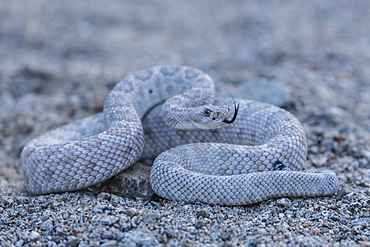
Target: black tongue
236,109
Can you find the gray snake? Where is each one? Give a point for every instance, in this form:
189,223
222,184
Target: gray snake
201,153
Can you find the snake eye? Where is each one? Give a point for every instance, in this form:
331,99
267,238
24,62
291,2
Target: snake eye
207,112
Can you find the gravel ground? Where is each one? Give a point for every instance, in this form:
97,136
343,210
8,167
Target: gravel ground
60,59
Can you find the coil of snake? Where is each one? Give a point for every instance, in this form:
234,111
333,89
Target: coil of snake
204,150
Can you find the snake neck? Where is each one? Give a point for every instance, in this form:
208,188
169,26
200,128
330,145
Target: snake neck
136,94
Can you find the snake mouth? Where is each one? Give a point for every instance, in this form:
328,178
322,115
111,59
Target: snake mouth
236,110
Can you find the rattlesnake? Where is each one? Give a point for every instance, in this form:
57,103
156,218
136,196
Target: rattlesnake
259,156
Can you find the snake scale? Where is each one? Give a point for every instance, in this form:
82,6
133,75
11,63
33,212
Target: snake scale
202,152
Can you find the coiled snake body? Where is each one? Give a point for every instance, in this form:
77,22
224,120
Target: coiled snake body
259,156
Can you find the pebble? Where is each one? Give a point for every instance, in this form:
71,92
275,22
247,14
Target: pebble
284,202
110,243
199,224
107,219
151,218
73,241
131,212
47,225
203,213
27,236
139,238
360,222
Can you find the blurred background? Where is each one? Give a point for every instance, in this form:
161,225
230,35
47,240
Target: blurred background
234,41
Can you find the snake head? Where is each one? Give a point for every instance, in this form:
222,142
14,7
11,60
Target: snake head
212,116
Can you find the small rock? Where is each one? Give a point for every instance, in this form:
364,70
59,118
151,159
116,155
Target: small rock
336,112
6,202
111,243
131,212
47,225
339,138
254,242
108,235
73,241
142,227
264,217
107,219
136,221
19,243
364,243
105,196
204,212
226,235
320,161
187,207
271,229
132,183
338,238
169,233
282,229
125,222
314,149
151,218
29,236
283,202
343,221
342,192
315,231
199,224
366,154
50,244
360,221
349,235
138,238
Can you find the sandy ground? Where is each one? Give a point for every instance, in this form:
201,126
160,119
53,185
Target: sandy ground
58,61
